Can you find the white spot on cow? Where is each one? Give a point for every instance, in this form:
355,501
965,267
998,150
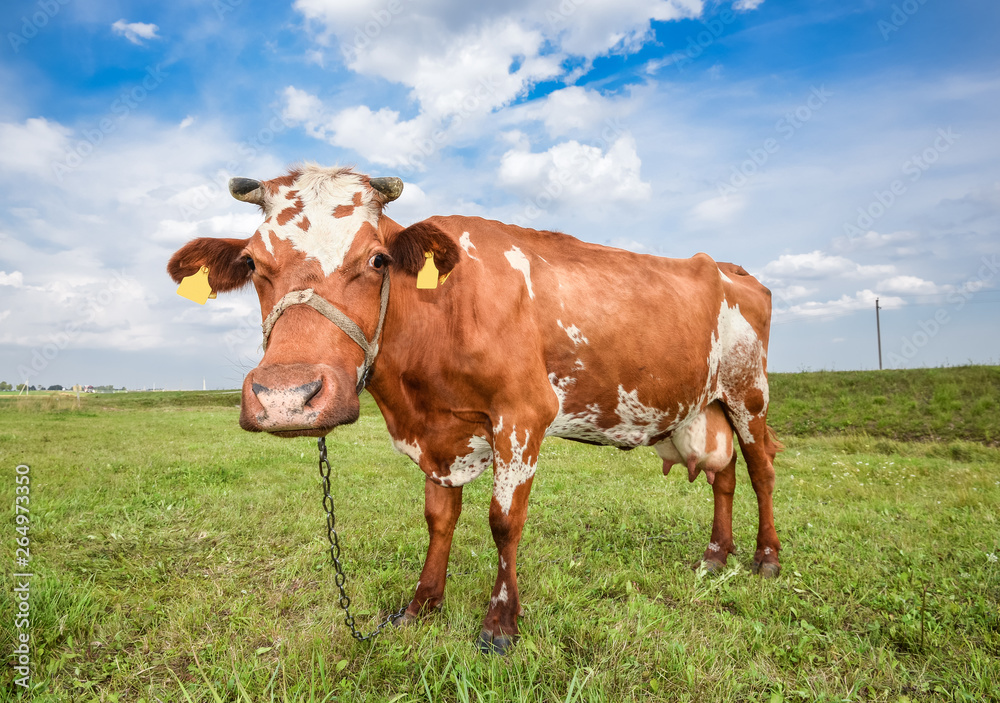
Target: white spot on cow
503,563
321,191
411,450
637,424
508,475
470,466
466,242
500,597
713,547
736,359
267,236
724,277
520,262
574,333
768,550
578,364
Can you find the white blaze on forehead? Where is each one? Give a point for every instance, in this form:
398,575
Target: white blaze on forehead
574,333
508,475
321,191
466,241
520,262
410,449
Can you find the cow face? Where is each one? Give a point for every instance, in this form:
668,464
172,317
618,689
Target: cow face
321,232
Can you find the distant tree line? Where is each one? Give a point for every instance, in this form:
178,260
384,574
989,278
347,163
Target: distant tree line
4,386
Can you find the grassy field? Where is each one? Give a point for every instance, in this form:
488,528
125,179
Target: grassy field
177,558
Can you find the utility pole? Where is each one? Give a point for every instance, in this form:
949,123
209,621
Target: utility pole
878,331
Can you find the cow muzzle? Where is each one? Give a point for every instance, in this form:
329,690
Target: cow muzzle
294,400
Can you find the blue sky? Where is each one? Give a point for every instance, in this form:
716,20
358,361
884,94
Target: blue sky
840,151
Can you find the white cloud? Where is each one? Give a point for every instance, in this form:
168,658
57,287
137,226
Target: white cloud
32,147
577,173
717,210
873,240
135,32
379,136
747,5
463,62
186,122
793,292
818,264
844,305
14,279
910,285
574,110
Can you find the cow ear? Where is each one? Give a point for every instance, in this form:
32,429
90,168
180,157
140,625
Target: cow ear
227,270
407,248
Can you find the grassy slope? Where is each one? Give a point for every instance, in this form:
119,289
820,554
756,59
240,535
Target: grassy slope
916,404
176,554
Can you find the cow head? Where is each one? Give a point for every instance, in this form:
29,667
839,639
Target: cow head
323,230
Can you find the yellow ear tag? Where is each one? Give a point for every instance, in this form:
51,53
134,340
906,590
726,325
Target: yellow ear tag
196,287
428,276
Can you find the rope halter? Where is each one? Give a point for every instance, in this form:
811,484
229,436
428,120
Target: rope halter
350,327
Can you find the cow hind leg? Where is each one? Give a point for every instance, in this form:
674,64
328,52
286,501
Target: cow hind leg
442,507
721,544
759,455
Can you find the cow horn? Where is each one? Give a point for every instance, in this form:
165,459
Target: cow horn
247,189
391,187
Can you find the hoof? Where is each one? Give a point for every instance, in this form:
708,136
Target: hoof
403,620
488,643
766,570
713,566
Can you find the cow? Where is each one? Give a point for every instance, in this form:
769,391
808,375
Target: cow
518,335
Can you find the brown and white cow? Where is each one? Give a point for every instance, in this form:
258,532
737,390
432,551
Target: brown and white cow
532,334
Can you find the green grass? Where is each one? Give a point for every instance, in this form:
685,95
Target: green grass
957,403
178,558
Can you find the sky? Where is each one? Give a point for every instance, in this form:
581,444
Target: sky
839,150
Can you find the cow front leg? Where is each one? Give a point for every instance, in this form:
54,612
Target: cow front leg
721,544
514,462
442,507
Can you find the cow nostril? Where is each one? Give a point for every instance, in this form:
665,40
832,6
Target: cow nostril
311,390
258,389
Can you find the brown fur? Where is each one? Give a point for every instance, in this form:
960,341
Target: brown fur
407,248
227,270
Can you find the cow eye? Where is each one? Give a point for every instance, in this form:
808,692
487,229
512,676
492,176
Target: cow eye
250,264
377,261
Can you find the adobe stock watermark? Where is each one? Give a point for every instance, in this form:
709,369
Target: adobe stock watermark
472,103
562,11
33,24
697,44
119,110
87,312
562,178
929,328
786,127
913,168
248,149
22,578
224,7
365,34
901,14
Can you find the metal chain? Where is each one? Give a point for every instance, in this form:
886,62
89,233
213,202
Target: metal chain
331,533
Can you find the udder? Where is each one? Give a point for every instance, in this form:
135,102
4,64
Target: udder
705,444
